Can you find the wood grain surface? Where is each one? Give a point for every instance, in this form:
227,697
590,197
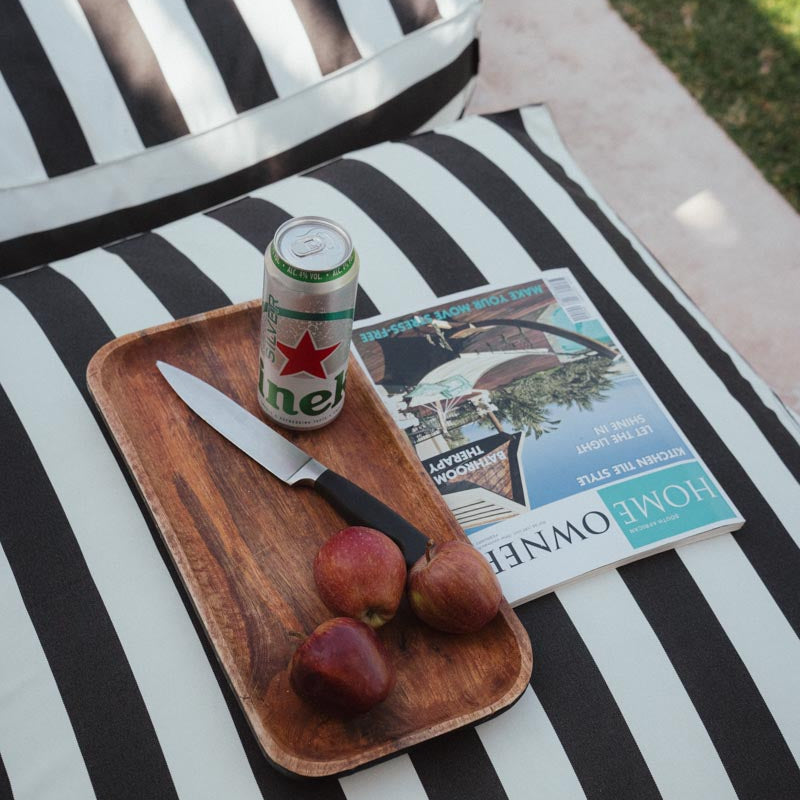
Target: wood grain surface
243,543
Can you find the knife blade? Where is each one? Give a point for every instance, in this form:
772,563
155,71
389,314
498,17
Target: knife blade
289,463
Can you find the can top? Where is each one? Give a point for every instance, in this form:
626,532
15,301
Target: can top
312,248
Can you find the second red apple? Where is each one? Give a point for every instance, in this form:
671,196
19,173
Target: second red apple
361,573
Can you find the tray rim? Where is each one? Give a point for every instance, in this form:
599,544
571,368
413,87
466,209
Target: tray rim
302,767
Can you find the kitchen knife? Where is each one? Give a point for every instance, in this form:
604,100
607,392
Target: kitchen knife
289,463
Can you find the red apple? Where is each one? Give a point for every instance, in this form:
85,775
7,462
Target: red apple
342,668
453,588
361,573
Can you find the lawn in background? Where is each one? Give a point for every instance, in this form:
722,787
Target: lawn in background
741,60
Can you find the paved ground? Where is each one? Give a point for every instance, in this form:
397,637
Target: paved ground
726,236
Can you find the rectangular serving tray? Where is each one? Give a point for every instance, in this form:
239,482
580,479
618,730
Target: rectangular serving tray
243,544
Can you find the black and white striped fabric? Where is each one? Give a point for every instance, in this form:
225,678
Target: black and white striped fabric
120,115
676,677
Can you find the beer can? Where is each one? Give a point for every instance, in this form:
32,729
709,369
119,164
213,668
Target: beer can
310,282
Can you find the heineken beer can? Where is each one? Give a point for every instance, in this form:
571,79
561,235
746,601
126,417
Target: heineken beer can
310,281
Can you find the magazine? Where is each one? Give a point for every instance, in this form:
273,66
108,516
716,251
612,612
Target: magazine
550,448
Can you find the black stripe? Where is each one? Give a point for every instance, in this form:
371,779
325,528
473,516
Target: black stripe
435,255
456,765
256,221
111,723
132,62
534,231
234,51
180,286
76,336
5,783
764,540
365,308
328,33
581,708
39,96
414,14
750,745
396,117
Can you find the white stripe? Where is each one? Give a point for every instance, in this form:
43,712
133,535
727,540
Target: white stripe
225,257
664,723
190,717
755,625
789,417
186,63
83,72
386,275
476,229
527,754
396,779
38,745
19,158
261,133
373,25
732,423
283,42
452,111
540,127
125,302
451,8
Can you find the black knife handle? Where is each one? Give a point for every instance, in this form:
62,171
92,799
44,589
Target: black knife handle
359,507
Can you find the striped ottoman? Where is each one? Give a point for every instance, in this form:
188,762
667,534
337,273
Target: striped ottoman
677,676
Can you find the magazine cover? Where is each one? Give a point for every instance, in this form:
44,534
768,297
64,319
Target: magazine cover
540,432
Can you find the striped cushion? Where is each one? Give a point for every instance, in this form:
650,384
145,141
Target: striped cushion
677,676
120,115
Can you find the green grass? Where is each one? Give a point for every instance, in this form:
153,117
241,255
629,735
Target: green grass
741,60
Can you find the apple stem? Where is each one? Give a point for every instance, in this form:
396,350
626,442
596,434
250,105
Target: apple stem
428,547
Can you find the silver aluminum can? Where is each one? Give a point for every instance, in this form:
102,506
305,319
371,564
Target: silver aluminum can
310,282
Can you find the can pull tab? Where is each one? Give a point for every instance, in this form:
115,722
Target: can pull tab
307,245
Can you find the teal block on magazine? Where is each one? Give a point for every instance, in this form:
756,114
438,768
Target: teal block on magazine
665,503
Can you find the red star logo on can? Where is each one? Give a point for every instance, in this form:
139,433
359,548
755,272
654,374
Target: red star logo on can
305,356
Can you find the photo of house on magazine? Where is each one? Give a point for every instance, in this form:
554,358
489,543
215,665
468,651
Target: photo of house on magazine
554,454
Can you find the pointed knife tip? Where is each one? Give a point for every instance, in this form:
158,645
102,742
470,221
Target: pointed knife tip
164,368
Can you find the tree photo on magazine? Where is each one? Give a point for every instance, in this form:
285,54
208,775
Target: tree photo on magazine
539,431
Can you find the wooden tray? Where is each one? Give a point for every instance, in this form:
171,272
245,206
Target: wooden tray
244,543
